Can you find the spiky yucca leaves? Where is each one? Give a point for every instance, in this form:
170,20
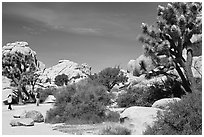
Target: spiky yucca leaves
172,33
19,68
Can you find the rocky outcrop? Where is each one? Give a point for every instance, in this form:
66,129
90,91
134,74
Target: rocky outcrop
138,118
18,46
22,122
164,103
141,64
23,48
74,71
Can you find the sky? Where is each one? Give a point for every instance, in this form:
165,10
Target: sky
101,34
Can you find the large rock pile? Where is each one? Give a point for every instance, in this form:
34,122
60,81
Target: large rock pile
134,66
74,71
23,48
18,46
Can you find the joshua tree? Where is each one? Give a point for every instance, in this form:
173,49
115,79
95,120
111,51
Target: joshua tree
176,25
19,67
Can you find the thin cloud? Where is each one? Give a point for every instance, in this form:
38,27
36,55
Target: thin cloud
30,30
87,30
75,21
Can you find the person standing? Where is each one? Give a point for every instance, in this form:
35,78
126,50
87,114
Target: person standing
9,101
37,97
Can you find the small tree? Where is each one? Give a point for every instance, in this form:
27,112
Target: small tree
61,80
109,77
18,67
176,25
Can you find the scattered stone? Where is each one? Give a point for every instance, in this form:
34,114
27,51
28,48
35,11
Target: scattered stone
35,115
138,118
22,122
164,103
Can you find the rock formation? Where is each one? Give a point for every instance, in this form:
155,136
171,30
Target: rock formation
18,46
74,71
140,65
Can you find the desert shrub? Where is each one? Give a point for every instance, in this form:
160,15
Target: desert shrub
184,118
112,116
80,104
146,96
115,129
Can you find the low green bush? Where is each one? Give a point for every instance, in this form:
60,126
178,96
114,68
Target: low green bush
115,129
80,104
183,118
146,96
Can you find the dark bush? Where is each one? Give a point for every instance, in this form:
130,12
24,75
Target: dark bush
109,77
146,96
80,104
61,80
184,118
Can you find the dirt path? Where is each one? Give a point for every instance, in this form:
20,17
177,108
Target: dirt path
37,129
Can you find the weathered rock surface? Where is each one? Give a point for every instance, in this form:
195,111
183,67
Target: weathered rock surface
135,65
33,114
164,103
23,48
18,46
145,83
74,71
22,122
138,118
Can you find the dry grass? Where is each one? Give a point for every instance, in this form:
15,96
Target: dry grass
87,129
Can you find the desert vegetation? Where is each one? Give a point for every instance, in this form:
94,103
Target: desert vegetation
88,100
81,104
183,118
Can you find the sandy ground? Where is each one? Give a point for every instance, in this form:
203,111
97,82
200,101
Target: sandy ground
37,129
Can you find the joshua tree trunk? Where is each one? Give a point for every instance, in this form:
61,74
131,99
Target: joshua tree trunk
20,101
185,83
188,70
